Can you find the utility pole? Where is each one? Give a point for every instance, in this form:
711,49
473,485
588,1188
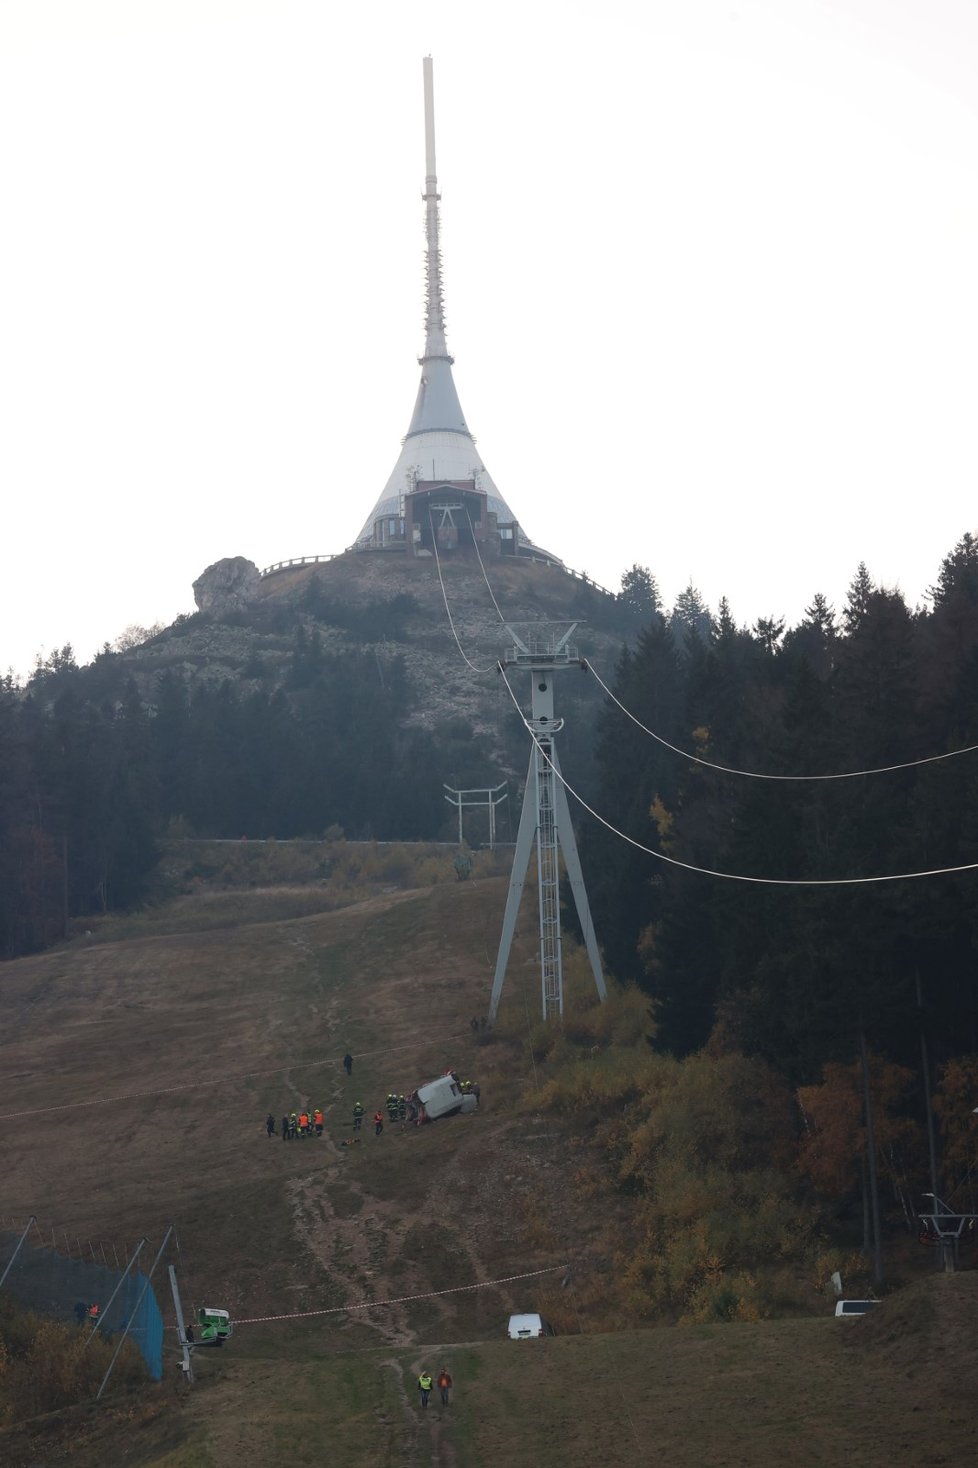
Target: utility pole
874,1199
545,821
187,1368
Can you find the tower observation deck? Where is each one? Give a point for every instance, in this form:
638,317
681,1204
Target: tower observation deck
439,491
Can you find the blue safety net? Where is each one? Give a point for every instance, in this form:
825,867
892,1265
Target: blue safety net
66,1289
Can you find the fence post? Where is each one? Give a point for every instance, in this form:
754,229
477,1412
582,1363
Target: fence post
134,1311
17,1250
108,1304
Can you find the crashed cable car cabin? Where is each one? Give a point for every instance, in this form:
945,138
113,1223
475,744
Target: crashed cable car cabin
440,496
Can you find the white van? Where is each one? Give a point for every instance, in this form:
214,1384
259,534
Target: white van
853,1307
528,1327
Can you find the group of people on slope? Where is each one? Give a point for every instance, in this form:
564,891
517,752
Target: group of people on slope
298,1124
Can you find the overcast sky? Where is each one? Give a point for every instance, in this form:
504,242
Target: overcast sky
710,274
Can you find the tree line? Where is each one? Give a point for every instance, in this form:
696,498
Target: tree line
799,976
93,772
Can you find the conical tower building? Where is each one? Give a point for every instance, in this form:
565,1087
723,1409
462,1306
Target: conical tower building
440,494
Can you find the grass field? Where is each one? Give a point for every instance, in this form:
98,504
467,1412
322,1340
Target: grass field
166,1040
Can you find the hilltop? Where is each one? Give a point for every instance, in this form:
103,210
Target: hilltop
327,697
394,604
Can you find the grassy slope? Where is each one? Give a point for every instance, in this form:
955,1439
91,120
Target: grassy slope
266,1227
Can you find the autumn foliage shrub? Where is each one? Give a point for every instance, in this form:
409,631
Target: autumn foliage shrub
833,1146
720,1223
46,1365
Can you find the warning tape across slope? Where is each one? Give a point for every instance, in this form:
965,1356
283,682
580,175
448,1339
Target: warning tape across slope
399,1299
239,1075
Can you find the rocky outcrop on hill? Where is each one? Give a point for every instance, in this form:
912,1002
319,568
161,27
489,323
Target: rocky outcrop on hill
229,585
251,631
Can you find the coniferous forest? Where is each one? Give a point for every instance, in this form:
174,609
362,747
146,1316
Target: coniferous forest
95,770
801,976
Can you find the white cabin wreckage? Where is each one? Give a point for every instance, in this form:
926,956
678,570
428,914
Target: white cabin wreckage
445,1096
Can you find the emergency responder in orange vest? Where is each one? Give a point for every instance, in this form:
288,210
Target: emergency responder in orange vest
304,1122
318,1120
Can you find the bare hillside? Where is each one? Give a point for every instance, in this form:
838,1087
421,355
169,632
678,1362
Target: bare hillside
137,1072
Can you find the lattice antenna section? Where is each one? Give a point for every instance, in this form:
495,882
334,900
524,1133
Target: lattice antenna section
435,343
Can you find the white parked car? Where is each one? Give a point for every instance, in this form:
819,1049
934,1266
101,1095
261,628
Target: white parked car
528,1327
853,1307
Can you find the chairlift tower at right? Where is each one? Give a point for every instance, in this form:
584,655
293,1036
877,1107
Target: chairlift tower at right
545,822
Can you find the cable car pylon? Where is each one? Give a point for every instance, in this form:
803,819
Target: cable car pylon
545,822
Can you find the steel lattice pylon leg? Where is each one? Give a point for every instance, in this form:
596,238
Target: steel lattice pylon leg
545,821
548,884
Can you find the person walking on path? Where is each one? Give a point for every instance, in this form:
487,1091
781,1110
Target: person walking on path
348,1063
318,1120
285,1128
378,1123
444,1385
270,1125
424,1386
357,1115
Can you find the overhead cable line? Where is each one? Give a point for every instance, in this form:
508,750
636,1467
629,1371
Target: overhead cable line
756,775
483,569
482,1284
448,610
726,876
241,1075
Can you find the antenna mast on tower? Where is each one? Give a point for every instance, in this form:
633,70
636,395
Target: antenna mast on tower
435,343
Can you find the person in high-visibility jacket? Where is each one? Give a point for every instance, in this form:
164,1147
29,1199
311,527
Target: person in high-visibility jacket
357,1115
304,1122
318,1119
424,1386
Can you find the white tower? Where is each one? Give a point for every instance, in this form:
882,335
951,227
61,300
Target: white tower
439,468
